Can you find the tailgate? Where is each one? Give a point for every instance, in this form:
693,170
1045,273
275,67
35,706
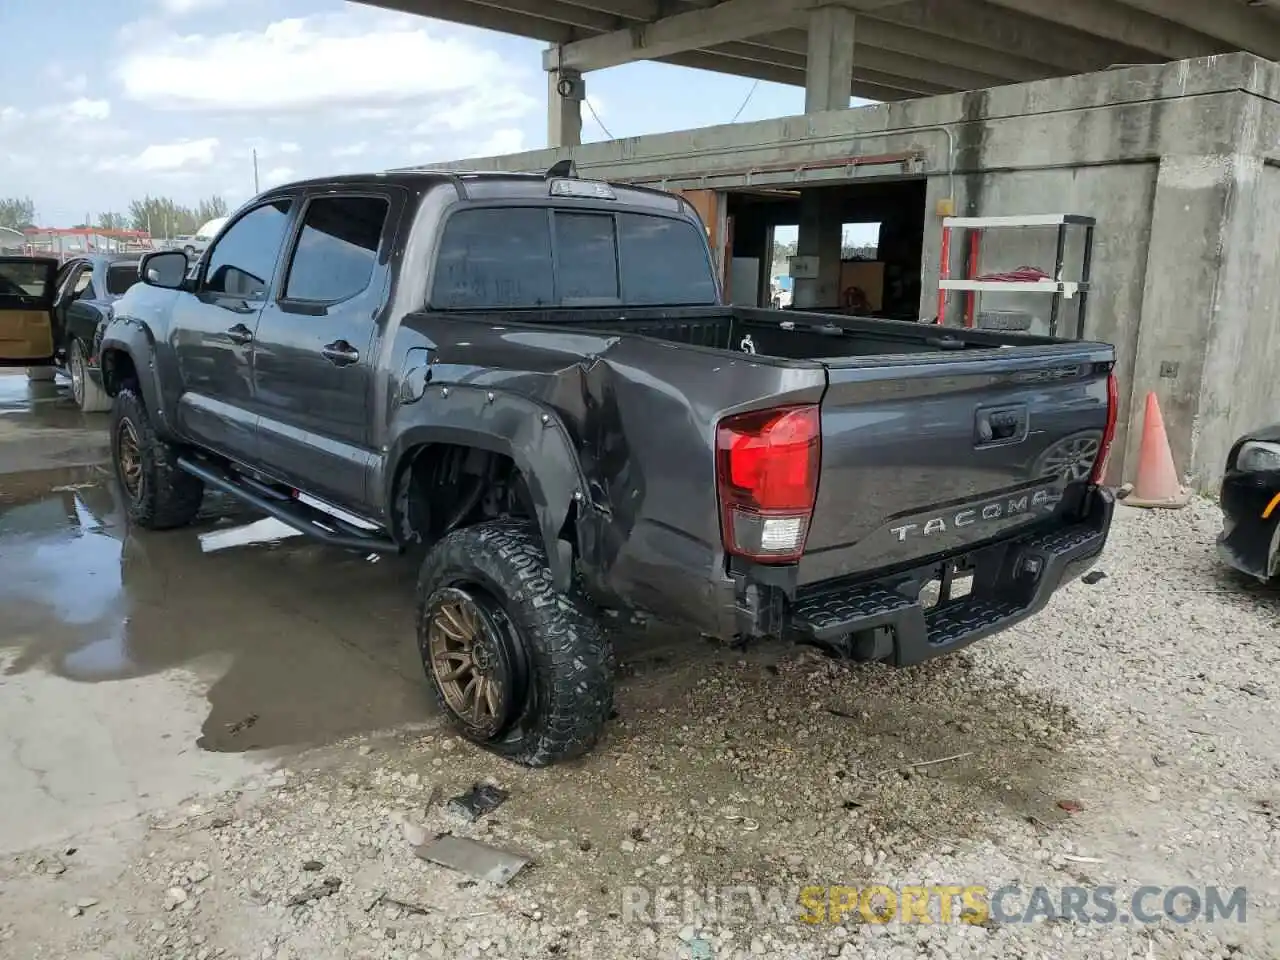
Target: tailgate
932,454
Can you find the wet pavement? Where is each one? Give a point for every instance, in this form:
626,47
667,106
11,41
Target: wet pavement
138,668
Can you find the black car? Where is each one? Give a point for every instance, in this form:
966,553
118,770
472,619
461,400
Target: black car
82,291
1250,539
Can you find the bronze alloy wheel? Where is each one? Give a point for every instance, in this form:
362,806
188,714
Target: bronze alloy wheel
469,641
129,459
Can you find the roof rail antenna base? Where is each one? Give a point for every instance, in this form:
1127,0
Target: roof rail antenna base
561,168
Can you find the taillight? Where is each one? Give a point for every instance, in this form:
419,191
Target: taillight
1109,432
767,464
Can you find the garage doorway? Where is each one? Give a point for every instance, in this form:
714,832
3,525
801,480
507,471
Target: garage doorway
882,246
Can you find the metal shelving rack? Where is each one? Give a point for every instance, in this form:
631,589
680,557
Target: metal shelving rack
1058,287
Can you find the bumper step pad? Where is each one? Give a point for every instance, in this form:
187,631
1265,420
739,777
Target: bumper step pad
1030,569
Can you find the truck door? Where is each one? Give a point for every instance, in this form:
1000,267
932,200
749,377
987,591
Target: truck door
213,329
314,357
27,290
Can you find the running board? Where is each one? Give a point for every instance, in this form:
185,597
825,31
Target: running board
308,520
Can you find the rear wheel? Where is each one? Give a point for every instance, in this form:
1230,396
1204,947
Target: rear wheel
516,666
89,396
158,495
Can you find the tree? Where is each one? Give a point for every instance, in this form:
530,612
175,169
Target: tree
112,221
17,213
211,208
165,217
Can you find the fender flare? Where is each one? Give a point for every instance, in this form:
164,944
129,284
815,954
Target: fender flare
530,433
137,343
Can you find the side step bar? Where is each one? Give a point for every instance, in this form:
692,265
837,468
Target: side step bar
314,523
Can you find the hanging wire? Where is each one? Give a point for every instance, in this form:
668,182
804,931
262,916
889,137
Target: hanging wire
750,94
599,122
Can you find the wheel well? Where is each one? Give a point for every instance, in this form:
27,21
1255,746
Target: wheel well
444,486
117,370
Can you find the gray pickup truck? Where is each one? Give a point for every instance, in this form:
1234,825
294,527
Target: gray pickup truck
532,381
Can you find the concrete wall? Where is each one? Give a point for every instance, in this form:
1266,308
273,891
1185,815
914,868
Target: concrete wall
1169,158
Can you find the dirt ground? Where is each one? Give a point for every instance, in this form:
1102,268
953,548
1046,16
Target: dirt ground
220,750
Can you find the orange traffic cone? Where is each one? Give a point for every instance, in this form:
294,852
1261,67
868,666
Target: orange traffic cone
1157,483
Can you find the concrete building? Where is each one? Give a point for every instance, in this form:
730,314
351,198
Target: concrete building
1174,160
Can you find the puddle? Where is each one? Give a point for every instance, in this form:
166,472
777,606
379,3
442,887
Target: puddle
314,644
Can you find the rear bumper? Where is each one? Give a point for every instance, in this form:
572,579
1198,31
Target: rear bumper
1012,580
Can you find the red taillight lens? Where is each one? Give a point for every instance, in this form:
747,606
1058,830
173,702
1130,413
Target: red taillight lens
1109,432
767,464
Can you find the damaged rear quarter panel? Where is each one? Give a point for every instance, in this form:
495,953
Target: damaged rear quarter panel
639,418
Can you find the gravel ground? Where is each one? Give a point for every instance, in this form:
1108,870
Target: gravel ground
1126,736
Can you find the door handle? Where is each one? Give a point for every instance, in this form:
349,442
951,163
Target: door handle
240,334
340,353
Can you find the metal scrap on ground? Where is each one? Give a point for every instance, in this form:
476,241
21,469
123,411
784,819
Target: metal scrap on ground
473,858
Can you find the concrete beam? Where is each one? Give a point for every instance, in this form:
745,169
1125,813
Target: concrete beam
564,113
718,62
896,38
936,76
1239,26
683,32
1065,51
902,87
557,11
828,70
1133,28
487,18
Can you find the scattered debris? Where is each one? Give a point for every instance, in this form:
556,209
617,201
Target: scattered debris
1072,858
267,530
1253,689
364,750
837,712
219,823
174,897
325,888
1071,806
242,725
313,866
411,909
913,767
1093,576
479,860
74,912
84,903
482,798
198,872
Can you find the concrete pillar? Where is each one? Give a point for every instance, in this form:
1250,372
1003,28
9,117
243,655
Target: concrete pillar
828,85
828,74
565,93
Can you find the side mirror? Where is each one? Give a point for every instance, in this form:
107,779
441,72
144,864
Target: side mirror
167,269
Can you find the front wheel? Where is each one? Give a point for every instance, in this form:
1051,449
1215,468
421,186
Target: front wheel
158,495
516,666
89,396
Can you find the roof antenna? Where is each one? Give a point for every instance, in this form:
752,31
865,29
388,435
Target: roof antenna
561,168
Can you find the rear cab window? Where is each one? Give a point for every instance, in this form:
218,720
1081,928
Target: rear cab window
531,257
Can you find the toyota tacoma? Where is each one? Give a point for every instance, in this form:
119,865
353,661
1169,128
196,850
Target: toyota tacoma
533,381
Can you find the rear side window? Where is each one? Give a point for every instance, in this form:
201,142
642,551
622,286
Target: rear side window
120,277
337,248
663,262
499,258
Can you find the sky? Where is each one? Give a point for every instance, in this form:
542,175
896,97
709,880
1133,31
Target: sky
171,98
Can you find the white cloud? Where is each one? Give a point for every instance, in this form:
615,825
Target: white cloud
288,148
350,59
278,175
350,149
85,109
166,157
11,115
506,140
181,8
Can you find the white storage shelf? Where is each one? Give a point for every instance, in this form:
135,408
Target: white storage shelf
1067,288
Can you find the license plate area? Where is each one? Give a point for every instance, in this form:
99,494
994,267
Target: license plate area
953,582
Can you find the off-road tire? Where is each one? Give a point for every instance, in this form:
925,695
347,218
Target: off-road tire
41,374
168,497
90,398
568,692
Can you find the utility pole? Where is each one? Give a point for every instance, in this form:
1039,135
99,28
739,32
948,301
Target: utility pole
255,171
